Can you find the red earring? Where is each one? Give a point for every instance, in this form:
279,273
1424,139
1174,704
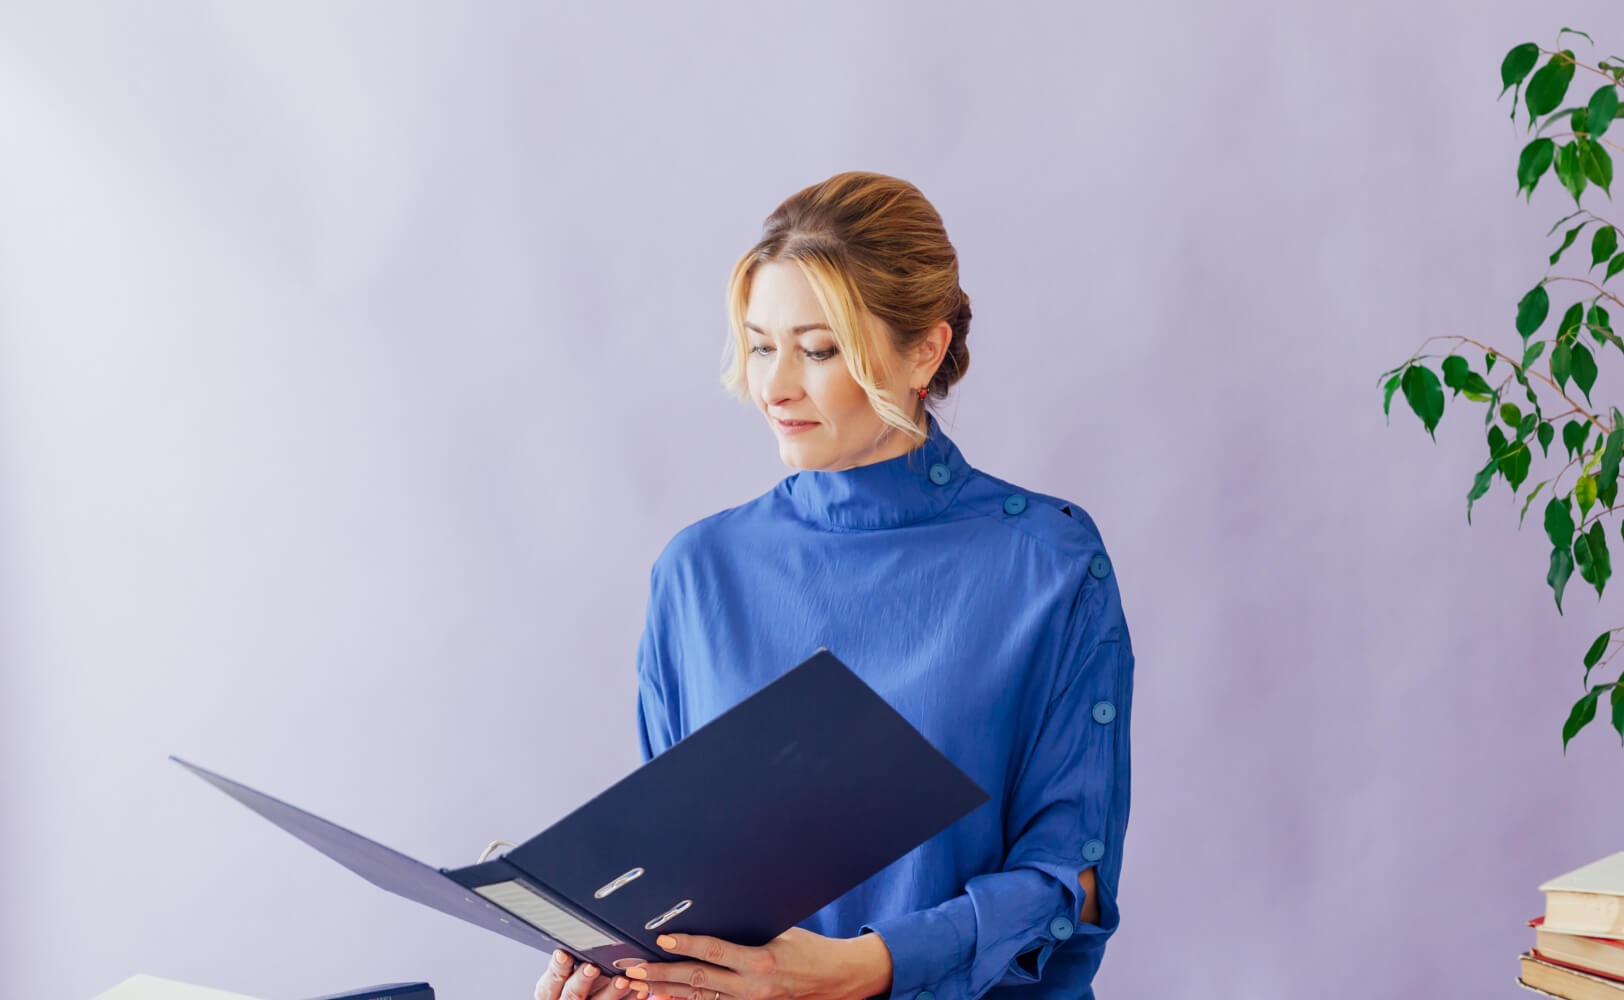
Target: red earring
923,391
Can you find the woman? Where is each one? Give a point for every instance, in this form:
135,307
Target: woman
988,615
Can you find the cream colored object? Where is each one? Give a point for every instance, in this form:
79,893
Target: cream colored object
1588,900
1555,981
145,987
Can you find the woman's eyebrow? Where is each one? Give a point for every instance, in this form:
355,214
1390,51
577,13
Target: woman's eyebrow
797,331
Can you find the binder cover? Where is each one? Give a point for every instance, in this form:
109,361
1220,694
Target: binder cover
772,810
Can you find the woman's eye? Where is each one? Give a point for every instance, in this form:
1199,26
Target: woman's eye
823,355
760,349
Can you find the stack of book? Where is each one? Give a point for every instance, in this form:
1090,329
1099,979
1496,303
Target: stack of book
1578,951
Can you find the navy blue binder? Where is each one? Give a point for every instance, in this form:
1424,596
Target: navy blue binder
769,812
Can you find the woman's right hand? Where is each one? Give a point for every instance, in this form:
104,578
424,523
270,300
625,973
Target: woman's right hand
564,981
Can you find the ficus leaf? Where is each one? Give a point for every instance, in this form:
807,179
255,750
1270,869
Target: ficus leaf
1597,164
1603,245
1514,465
1613,268
1562,365
1583,711
1584,369
1532,310
1387,398
1546,433
1618,709
1575,31
1584,494
1611,452
1597,647
1581,558
1602,108
1497,442
1607,494
1574,433
1598,319
1601,564
1480,486
1568,238
1533,352
1476,388
1510,414
1549,84
1456,368
1572,319
1561,569
1425,396
1535,160
1518,63
1569,170
1530,501
1559,522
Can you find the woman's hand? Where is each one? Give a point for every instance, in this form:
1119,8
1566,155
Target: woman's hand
796,965
564,981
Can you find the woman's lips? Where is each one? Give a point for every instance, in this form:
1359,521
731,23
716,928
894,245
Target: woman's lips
794,426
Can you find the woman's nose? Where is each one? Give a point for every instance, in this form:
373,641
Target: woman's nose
782,383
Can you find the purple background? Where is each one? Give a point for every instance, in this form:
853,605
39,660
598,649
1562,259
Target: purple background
355,364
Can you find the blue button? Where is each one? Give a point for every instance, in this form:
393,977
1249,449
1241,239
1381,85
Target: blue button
1099,566
1014,503
1093,850
924,995
939,474
1060,927
1104,712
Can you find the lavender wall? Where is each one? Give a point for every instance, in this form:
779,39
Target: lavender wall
356,363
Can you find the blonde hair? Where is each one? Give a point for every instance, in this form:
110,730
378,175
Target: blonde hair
864,241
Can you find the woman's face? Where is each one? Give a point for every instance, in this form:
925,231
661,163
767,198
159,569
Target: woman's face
820,415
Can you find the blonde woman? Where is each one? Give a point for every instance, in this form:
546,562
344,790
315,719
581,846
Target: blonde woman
986,613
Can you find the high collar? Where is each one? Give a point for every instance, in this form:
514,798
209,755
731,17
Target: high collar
911,487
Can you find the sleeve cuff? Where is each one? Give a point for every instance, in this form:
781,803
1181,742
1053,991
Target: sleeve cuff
928,948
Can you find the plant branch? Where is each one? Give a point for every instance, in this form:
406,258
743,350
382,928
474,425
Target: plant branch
1586,281
1587,135
1501,354
1601,73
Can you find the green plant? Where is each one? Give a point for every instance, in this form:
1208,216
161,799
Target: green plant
1592,440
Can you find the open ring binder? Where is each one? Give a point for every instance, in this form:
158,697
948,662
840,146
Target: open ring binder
770,811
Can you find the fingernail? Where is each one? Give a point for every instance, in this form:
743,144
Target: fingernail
637,973
620,983
665,941
559,956
591,971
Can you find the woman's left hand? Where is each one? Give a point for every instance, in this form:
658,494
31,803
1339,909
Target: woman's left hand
796,965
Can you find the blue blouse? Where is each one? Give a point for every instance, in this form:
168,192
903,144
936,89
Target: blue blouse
989,617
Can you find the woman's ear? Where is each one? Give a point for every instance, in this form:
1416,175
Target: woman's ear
930,351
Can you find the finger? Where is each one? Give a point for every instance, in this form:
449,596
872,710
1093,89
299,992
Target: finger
673,978
551,983
623,987
610,987
580,982
707,949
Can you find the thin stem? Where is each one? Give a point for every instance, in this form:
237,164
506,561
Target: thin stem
1601,73
1587,135
1586,281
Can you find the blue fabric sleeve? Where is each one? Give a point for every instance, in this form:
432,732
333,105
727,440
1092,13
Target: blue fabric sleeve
1068,813
654,723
